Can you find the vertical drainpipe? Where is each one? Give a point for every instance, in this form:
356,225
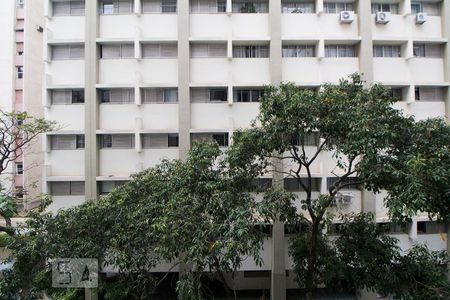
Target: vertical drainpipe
278,278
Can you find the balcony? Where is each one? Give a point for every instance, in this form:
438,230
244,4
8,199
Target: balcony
391,70
66,72
206,71
69,117
244,113
304,26
65,163
431,29
118,71
301,69
395,29
427,109
124,162
333,69
211,116
159,71
427,70
123,116
251,71
65,202
210,26
250,26
66,28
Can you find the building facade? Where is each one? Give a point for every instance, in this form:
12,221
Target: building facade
21,37
133,82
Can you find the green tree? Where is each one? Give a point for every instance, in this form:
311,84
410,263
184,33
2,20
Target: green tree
18,130
361,131
198,212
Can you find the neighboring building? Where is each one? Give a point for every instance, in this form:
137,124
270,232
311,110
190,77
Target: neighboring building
21,76
133,82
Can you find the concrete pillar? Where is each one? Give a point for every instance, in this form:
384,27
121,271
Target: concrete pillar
184,105
365,31
278,279
91,103
368,202
446,33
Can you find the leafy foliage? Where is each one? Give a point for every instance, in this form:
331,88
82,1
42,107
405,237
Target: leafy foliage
197,212
371,145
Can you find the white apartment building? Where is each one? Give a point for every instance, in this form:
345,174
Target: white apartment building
21,65
135,81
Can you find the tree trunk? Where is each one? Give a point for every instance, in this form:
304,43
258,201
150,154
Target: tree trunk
311,262
228,290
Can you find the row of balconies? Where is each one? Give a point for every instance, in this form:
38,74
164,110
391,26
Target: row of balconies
245,72
242,27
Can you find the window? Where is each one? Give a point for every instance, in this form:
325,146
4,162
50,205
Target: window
160,95
66,97
19,48
429,227
250,51
165,50
293,184
429,93
208,6
298,7
340,51
117,141
80,141
397,93
116,51
66,52
260,184
67,188
205,95
430,8
208,50
385,7
168,6
298,51
386,51
159,140
159,6
250,7
66,142
117,96
351,183
19,72
427,50
416,7
219,138
337,7
105,187
309,139
114,7
68,8
19,168
20,3
247,95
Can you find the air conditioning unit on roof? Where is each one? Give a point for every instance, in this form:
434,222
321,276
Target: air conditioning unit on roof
382,17
347,16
